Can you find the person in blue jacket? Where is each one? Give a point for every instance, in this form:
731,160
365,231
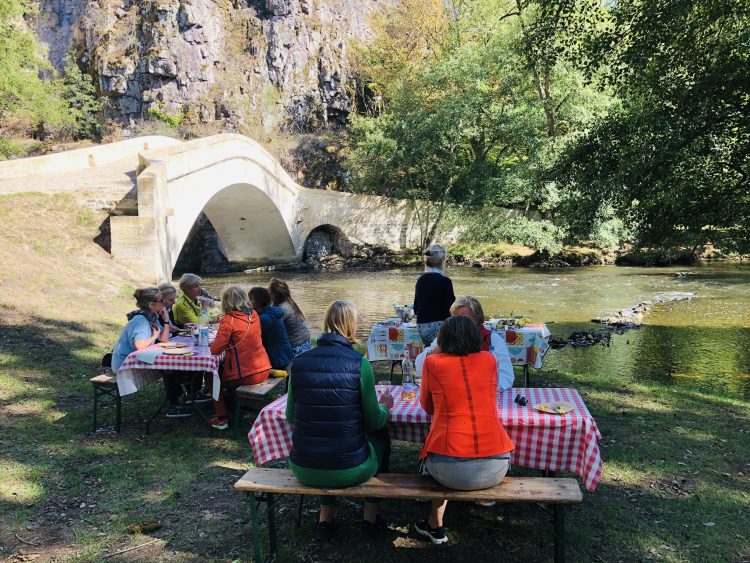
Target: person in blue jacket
273,332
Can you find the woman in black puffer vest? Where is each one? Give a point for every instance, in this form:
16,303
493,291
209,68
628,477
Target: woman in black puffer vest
339,437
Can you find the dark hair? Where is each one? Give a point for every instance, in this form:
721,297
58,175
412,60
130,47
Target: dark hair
260,297
459,336
279,291
145,295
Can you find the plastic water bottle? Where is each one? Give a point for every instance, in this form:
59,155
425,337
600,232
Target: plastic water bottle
203,330
409,392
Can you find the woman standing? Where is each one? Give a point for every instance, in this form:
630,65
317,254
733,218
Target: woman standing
433,294
467,447
339,437
294,319
246,361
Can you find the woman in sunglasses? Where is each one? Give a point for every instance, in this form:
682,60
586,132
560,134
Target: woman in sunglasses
467,447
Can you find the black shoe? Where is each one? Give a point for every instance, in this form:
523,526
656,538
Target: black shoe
373,529
198,399
324,531
436,535
178,412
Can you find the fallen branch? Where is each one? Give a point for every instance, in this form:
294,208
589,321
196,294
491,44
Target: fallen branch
131,548
19,538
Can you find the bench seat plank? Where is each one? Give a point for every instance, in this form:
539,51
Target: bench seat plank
410,486
260,390
104,379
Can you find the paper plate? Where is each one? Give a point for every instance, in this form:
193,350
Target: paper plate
555,407
177,351
172,344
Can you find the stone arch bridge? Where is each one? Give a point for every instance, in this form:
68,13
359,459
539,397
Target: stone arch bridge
260,214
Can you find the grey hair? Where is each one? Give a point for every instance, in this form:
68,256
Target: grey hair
434,256
167,290
188,280
472,303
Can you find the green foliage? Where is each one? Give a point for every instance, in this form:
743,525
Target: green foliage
673,161
26,99
81,96
172,119
468,125
490,227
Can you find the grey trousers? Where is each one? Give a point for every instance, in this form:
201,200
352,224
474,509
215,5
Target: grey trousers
466,474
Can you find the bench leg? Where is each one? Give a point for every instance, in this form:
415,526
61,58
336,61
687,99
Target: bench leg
118,412
558,511
236,421
271,508
256,532
96,401
298,519
525,375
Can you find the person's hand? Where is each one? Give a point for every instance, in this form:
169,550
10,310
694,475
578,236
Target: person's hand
387,400
156,333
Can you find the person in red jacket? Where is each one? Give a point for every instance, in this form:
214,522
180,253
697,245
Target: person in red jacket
467,447
238,337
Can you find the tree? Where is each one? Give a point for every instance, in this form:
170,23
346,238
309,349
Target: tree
79,93
27,100
673,162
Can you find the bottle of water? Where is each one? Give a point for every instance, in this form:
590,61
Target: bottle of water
203,330
407,381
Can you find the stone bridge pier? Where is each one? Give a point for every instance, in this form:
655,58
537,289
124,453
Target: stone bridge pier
260,214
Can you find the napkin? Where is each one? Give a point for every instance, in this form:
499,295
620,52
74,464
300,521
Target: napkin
149,355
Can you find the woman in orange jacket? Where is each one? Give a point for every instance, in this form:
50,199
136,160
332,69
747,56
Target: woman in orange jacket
467,447
238,336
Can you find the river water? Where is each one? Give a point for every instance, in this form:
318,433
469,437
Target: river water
702,343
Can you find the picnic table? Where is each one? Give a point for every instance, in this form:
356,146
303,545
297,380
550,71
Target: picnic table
394,340
134,373
549,442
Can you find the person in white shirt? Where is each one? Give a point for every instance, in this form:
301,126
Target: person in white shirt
491,341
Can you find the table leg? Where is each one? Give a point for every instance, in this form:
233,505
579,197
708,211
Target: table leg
196,407
298,520
525,375
150,420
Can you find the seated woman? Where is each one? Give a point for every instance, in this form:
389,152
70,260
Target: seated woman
467,447
273,331
169,294
147,325
294,319
433,294
339,437
491,341
246,361
189,306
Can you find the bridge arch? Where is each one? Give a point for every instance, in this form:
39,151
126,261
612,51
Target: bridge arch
326,239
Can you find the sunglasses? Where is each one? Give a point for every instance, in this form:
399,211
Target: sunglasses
520,400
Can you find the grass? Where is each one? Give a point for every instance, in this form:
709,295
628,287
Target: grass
675,485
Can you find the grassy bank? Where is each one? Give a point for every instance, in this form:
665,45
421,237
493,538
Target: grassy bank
675,485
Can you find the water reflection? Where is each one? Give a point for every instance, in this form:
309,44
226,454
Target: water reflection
702,343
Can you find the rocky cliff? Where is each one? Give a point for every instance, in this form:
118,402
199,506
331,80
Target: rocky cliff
262,62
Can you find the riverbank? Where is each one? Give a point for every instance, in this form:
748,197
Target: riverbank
675,485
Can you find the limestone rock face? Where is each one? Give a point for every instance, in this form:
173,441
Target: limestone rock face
266,62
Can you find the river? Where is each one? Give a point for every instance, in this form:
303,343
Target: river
703,343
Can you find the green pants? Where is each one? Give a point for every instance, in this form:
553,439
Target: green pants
381,443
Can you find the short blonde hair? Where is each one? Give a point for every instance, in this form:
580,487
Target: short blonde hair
472,303
188,280
234,298
167,290
341,318
435,255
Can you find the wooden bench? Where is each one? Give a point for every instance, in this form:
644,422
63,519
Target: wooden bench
106,384
255,397
268,482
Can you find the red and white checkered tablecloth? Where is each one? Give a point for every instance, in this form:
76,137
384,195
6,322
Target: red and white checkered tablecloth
554,442
135,374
